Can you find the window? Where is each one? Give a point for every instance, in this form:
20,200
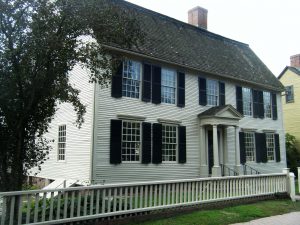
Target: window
168,86
131,79
270,142
131,141
267,104
169,143
289,94
250,146
247,101
212,92
62,142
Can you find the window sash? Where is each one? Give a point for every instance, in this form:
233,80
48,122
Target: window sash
250,146
247,101
212,92
270,143
267,104
131,79
168,86
169,143
131,141
61,144
289,91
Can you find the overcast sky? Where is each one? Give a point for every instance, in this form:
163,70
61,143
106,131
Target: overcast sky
270,27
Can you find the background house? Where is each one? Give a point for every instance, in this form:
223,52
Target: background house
186,103
290,78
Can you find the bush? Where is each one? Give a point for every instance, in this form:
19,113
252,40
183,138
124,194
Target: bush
292,153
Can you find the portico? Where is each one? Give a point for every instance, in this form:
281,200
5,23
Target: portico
213,138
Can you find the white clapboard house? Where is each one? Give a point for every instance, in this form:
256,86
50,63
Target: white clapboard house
186,103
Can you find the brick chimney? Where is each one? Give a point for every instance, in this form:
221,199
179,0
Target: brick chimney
295,60
198,17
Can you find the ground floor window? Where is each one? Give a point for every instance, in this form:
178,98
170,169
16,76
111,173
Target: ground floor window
131,141
250,146
169,143
270,143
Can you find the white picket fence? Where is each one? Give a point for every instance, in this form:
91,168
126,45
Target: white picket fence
91,202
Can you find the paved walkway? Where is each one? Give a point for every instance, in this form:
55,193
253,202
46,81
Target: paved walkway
285,219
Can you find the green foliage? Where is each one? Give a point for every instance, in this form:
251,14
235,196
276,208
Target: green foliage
40,43
292,153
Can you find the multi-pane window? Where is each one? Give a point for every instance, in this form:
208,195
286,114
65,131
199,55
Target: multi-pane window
267,104
212,92
131,79
289,94
270,142
131,141
247,101
62,142
250,146
169,143
168,86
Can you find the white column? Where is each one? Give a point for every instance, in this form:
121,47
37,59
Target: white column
238,166
216,170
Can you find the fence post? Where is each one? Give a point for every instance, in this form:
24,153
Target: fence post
298,178
290,182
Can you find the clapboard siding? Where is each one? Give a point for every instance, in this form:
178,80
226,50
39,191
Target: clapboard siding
78,141
292,110
108,108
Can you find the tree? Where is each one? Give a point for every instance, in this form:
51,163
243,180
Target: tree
292,153
40,42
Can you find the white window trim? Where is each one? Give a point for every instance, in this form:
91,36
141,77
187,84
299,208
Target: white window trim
166,103
141,138
270,105
254,147
293,94
176,161
274,155
251,97
141,79
218,92
57,155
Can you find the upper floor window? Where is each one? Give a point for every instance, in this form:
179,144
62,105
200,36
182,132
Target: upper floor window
289,94
250,146
62,142
169,143
212,92
247,101
168,86
131,141
131,79
267,104
270,143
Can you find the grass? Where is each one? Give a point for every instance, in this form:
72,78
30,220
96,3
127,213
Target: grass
229,215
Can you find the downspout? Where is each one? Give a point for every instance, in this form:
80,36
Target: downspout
93,136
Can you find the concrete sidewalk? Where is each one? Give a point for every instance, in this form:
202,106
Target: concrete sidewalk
285,219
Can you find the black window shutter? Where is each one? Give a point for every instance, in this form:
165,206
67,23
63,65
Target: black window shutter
182,144
116,81
242,148
146,90
239,99
255,103
202,91
277,148
274,106
180,89
156,84
261,110
157,143
258,147
221,93
146,143
115,141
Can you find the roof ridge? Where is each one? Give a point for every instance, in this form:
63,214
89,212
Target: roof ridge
198,29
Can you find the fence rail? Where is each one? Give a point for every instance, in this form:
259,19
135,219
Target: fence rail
82,203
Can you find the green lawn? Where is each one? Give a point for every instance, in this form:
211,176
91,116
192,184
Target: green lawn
228,215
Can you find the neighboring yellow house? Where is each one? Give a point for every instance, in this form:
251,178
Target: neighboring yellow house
290,78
